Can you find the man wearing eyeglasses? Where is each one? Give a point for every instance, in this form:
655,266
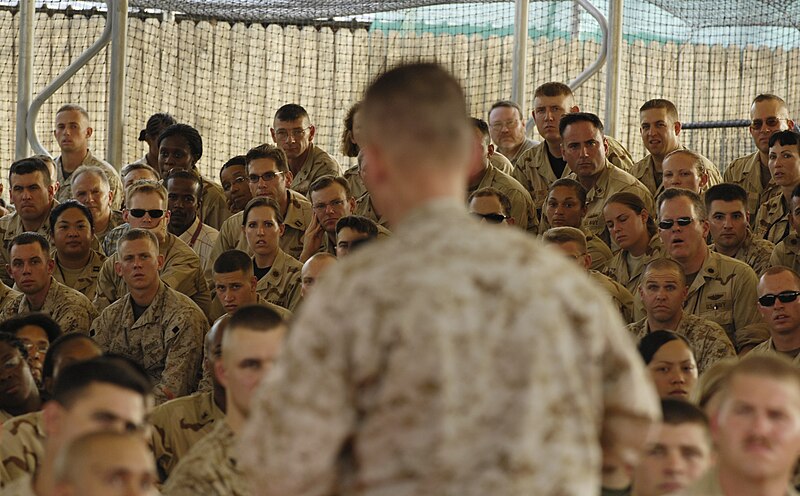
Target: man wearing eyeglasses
269,175
18,392
778,291
331,200
507,127
293,133
233,177
182,270
773,222
721,289
768,115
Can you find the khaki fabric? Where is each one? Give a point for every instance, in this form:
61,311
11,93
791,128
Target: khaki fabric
501,163
708,485
10,227
617,269
787,253
86,283
522,209
405,368
114,221
622,298
644,171
365,208
755,252
281,286
599,250
210,468
65,185
203,245
21,446
22,486
178,425
167,339
772,222
746,172
355,182
182,272
7,295
214,206
318,163
297,219
768,348
709,341
72,310
526,145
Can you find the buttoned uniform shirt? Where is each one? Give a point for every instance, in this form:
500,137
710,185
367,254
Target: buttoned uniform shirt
724,291
772,222
526,145
412,376
167,339
22,486
787,253
281,285
178,425
86,283
7,295
755,252
644,171
10,227
99,241
708,485
297,219
71,310
182,271
21,446
501,163
213,204
210,468
365,208
65,185
622,298
522,209
318,163
746,172
355,182
631,276
709,341
201,238
768,348
599,251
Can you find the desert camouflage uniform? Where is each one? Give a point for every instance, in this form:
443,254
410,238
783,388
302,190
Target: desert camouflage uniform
617,269
281,286
526,145
73,311
787,253
86,284
21,446
7,295
355,182
22,486
501,163
213,204
772,222
622,298
65,189
318,163
365,208
644,171
522,209
10,228
746,172
599,251
755,252
167,339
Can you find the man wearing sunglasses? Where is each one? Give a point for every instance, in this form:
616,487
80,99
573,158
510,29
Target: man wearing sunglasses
182,269
778,291
721,289
490,205
768,115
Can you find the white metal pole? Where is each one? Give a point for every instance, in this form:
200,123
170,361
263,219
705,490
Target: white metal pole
116,90
615,9
27,13
520,53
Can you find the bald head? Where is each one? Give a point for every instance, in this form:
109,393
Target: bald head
313,269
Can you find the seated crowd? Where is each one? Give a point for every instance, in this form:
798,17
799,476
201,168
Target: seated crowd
140,309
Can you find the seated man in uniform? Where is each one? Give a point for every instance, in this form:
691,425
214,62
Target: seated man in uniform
507,127
313,269
249,347
778,290
787,252
77,265
490,205
293,132
729,223
663,291
153,324
684,169
572,242
233,177
353,231
91,188
182,270
36,331
721,289
32,270
566,207
331,200
18,392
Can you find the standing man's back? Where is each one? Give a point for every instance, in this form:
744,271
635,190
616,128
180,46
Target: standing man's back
438,381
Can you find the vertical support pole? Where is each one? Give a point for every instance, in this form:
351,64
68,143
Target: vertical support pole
520,53
615,9
118,16
27,13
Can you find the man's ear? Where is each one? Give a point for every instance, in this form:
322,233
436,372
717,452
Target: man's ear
219,372
118,269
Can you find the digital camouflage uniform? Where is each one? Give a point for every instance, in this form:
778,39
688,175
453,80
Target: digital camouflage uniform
71,310
65,185
86,284
522,209
281,286
21,446
7,295
213,204
167,339
318,163
10,228
622,298
644,171
297,219
746,172
755,252
617,269
772,222
709,341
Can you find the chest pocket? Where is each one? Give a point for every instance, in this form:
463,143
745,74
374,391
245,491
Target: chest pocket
718,307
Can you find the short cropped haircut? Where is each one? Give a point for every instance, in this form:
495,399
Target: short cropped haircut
766,97
635,203
660,103
268,151
29,238
254,317
291,112
569,119
553,88
780,269
187,132
770,366
359,224
673,193
785,138
234,161
38,319
566,182
323,182
233,261
73,107
505,201
14,342
651,343
346,146
483,127
29,166
677,412
665,264
262,201
727,192
145,186
505,104
94,170
137,234
191,175
70,463
697,159
59,209
55,348
562,235
132,167
75,379
155,125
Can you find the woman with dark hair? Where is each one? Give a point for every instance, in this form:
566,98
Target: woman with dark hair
152,130
350,148
670,360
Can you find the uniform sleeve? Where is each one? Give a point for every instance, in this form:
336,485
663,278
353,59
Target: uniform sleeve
778,256
99,331
119,192
106,292
521,208
80,316
184,341
215,208
746,320
715,347
227,240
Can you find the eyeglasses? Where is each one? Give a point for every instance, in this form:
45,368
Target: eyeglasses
667,224
491,218
236,180
154,213
267,176
498,126
756,124
34,348
296,133
321,207
768,300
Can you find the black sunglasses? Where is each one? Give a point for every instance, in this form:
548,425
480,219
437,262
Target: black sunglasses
768,300
682,221
491,218
153,213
